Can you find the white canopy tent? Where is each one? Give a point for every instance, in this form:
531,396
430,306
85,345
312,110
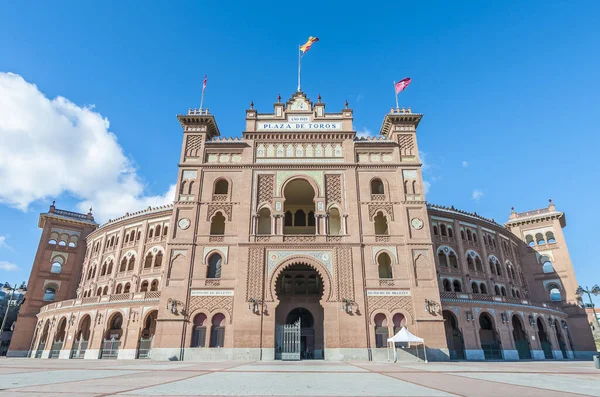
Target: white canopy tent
404,336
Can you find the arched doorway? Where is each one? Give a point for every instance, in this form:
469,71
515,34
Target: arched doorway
560,339
59,338
145,342
299,207
43,339
82,338
490,341
299,290
112,337
521,339
544,342
454,337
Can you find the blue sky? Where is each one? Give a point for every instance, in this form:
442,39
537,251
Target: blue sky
509,91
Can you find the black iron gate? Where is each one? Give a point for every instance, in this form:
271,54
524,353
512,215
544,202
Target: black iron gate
523,349
287,341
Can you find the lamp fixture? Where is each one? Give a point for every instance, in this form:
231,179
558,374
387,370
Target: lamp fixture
504,317
348,305
469,315
172,305
430,306
253,305
531,320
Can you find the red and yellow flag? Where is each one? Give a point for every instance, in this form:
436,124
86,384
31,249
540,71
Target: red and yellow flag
306,46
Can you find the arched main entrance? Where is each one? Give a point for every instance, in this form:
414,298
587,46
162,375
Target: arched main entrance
299,290
490,342
544,342
82,337
145,342
521,339
560,339
454,337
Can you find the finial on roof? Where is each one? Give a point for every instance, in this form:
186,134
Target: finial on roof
346,104
251,104
551,206
53,202
278,98
550,200
319,98
512,209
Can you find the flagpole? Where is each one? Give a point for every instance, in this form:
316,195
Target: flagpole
396,93
201,99
299,64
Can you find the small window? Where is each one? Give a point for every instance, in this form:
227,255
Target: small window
300,218
475,288
222,187
447,286
470,263
288,219
56,268
529,240
457,286
450,233
453,260
377,186
443,259
555,295
462,234
483,288
497,290
443,230
435,230
539,238
49,294
217,225
503,291
214,266
550,238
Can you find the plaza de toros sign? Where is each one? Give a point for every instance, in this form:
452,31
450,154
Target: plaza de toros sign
300,123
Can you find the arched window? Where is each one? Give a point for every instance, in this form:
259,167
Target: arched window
165,229
457,286
503,291
139,235
264,221
132,235
217,332
56,267
474,287
199,331
469,235
214,266
498,269
483,288
470,264
335,222
478,264
529,240
131,263
300,218
158,259
99,291
144,286
105,290
453,260
49,293
399,321
514,295
119,289
127,288
151,233
447,286
110,268
73,242
497,290
117,322
550,238
450,233
377,186
385,265
126,238
414,187
148,261
442,258
154,285
546,265
112,241
123,265
222,187
217,225
555,294
539,238
435,230
311,218
443,230
462,234
157,233
492,266
381,330
518,294
288,219
381,225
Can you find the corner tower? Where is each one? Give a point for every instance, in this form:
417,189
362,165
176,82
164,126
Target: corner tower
55,272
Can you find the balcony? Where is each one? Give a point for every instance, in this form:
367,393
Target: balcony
156,239
131,296
299,238
151,270
377,197
495,298
450,270
219,197
445,239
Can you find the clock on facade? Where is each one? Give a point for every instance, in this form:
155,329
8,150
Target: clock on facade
416,223
184,223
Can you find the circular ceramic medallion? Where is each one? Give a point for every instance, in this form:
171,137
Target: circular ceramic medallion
184,223
416,223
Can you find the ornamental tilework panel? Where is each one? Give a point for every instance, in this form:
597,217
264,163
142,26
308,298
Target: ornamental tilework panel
316,175
265,188
212,304
276,257
390,303
223,249
213,208
345,273
387,208
255,279
193,145
407,144
391,249
333,188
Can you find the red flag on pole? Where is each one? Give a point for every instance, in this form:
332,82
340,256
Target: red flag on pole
204,84
402,84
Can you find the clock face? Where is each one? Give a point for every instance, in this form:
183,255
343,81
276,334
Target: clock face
299,104
184,223
416,223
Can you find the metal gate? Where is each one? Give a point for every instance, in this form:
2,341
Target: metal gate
110,348
144,347
79,348
56,348
523,349
40,349
288,341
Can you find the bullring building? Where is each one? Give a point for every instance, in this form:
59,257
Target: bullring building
299,240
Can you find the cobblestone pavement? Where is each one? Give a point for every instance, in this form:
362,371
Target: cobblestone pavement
74,378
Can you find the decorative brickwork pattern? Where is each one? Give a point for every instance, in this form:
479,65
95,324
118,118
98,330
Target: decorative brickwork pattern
266,184
256,267
333,188
345,273
213,208
212,304
407,144
193,146
389,303
388,209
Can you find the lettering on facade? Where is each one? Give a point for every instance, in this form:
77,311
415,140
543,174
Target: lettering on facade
290,126
204,292
380,292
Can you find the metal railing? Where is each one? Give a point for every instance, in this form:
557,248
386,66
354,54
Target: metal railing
79,348
144,348
56,348
110,349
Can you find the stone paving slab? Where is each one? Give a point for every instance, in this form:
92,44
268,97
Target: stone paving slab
25,379
301,367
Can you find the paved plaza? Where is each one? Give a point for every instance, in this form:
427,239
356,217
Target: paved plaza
70,378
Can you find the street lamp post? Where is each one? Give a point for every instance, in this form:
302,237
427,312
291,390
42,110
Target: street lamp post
8,287
596,291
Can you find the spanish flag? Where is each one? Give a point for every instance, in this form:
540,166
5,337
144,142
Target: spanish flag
306,46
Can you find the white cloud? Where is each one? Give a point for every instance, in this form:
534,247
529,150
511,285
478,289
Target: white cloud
477,194
426,186
465,163
50,147
364,133
9,267
423,157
